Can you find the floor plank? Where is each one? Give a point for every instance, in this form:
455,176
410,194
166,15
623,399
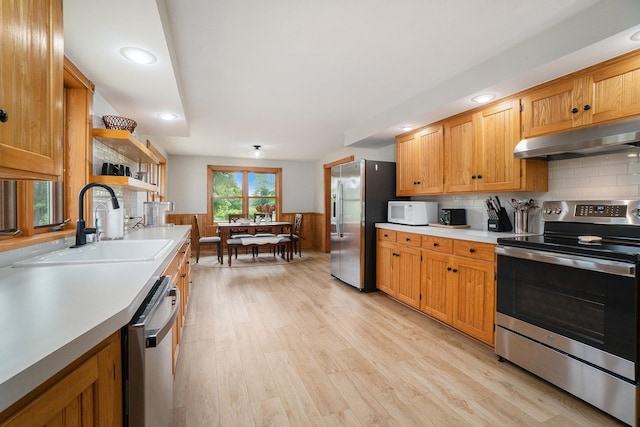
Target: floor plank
288,345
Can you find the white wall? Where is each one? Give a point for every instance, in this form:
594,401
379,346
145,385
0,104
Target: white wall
187,182
302,182
385,153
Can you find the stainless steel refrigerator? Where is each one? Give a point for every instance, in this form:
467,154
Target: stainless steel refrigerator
359,194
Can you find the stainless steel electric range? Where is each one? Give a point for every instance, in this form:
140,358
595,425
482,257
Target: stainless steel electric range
567,302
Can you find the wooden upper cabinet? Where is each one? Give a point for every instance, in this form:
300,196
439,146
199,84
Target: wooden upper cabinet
31,90
479,153
606,92
500,130
461,148
553,108
613,92
420,158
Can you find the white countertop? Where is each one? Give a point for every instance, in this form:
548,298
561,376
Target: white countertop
50,316
454,233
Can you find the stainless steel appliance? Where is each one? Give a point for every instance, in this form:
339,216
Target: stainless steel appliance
567,302
148,367
359,194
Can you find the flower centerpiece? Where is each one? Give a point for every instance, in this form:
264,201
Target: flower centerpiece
266,209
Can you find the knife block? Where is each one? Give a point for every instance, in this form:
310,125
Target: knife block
503,223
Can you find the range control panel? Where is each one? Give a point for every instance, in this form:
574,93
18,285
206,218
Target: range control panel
593,211
609,211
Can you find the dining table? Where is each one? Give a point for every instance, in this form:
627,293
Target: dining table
227,229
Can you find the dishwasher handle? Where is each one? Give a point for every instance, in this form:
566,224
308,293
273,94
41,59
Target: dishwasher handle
155,336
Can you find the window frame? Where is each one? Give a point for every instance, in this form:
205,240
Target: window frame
245,170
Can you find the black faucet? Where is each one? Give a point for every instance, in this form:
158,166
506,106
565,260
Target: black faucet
81,230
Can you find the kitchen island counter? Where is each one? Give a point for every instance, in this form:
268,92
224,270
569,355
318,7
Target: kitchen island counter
51,315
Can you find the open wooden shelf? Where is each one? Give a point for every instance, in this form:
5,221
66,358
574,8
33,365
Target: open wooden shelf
126,143
125,182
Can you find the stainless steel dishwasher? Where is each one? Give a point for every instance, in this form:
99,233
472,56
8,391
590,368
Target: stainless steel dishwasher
148,371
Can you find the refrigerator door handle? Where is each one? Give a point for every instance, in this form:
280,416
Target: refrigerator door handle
339,218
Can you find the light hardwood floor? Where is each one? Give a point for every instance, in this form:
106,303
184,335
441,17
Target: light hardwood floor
288,345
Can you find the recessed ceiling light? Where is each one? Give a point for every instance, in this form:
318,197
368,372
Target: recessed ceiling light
137,55
406,128
635,36
167,116
481,99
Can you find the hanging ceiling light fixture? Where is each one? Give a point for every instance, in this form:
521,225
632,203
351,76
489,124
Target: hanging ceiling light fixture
256,153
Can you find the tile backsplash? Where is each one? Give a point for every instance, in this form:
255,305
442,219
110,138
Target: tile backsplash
605,177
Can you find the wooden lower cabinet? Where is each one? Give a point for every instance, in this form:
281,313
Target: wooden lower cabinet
436,296
448,279
180,271
398,266
473,294
87,393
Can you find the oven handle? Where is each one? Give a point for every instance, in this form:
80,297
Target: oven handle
155,336
616,268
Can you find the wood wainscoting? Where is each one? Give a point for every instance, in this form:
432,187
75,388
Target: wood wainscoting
312,234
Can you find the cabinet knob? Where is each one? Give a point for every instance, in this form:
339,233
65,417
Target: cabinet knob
448,268
473,177
574,110
472,250
587,107
4,116
408,239
455,270
436,244
479,176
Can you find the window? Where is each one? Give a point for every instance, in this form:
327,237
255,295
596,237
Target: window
236,190
8,206
48,203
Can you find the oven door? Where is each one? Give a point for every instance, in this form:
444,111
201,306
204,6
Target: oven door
583,306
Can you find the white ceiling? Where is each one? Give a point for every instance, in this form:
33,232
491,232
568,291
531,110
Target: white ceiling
304,78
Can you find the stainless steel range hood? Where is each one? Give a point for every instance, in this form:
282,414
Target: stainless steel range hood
594,140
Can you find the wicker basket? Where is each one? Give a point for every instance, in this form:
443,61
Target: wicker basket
119,123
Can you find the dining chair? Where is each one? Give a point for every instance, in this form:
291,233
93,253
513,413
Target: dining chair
295,234
239,232
265,231
205,240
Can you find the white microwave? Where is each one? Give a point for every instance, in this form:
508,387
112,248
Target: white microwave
412,213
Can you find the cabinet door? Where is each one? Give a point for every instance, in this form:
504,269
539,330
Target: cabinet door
405,165
436,297
31,62
407,273
419,162
614,91
474,298
89,395
429,160
461,174
553,108
500,135
385,256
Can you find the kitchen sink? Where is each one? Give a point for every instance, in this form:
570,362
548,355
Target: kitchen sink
104,251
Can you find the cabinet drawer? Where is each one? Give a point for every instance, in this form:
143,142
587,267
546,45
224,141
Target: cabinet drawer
438,244
409,239
386,235
475,250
